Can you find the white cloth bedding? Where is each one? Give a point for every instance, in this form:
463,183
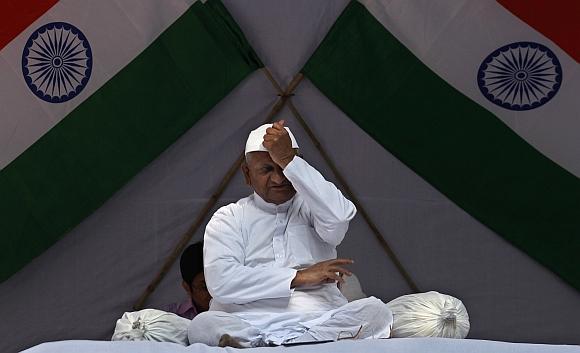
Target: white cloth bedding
393,345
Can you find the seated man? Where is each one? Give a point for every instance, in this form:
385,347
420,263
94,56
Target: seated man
270,259
191,266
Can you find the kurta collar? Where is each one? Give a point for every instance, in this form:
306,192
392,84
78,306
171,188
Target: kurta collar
270,207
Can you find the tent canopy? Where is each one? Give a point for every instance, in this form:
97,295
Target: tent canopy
79,286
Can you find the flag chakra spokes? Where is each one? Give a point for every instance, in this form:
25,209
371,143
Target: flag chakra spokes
57,62
520,76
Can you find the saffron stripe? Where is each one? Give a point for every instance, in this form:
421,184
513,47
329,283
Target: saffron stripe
557,20
16,15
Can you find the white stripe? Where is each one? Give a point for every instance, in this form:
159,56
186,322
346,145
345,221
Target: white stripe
117,32
453,38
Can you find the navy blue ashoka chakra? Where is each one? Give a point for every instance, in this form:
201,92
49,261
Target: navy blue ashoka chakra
520,76
57,62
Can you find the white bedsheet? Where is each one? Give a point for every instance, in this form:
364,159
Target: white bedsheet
394,345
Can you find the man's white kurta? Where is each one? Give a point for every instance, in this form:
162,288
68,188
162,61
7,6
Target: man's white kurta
253,249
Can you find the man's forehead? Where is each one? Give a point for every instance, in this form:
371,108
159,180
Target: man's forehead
258,157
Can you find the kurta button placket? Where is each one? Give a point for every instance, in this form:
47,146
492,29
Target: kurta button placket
278,241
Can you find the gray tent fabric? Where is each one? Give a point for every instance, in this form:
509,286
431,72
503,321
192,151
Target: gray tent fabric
80,286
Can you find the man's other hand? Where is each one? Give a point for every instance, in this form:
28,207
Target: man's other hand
330,271
277,141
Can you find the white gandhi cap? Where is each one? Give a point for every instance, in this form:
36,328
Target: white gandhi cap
254,142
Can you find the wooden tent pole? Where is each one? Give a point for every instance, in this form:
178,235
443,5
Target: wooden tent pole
186,237
347,189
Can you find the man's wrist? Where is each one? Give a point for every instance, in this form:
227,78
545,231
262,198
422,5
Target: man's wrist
297,281
285,161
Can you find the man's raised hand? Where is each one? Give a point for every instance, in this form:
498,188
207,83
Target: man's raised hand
279,145
329,271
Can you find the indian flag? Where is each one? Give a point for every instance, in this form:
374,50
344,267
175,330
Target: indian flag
480,98
90,93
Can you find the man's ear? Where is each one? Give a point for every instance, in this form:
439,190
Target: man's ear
186,286
246,172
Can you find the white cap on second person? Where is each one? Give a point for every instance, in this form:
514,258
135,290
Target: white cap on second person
256,137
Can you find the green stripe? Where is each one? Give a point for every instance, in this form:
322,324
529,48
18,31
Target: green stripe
456,145
110,137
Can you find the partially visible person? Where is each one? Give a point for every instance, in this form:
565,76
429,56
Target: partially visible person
191,265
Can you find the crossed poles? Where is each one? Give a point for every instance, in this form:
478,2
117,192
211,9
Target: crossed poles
284,98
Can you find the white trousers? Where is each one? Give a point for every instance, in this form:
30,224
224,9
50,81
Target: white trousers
364,318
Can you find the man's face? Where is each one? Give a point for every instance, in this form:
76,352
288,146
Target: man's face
198,292
267,179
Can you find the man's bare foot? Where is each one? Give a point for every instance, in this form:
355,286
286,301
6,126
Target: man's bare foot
228,341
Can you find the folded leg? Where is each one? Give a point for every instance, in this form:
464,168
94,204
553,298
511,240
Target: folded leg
209,327
364,318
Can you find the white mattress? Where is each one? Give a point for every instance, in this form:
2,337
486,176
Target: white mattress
395,345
